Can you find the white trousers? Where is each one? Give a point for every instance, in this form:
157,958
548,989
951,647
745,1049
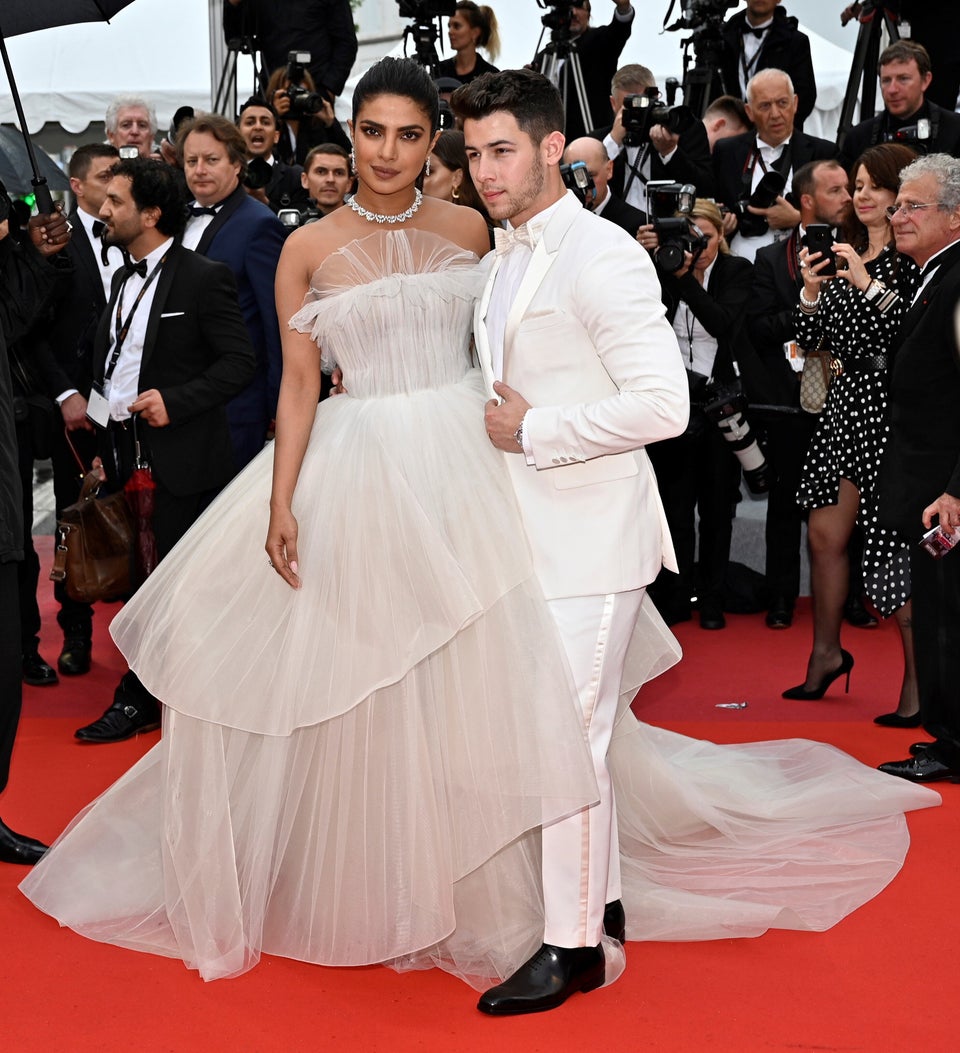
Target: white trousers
581,856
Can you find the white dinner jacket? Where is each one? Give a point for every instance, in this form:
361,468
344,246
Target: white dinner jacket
587,344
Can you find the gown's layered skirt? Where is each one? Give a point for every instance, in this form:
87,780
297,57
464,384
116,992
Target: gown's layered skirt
357,771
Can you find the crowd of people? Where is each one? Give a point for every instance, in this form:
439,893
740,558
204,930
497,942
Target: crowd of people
517,477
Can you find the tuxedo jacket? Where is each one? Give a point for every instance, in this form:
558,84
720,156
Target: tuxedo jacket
690,162
625,216
198,355
946,138
922,456
248,237
599,49
784,47
774,295
588,346
731,158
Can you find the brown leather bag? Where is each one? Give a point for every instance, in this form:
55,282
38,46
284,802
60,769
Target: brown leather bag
94,550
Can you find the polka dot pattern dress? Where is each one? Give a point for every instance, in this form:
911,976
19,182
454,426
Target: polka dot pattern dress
852,431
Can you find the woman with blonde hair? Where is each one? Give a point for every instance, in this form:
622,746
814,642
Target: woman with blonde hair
471,26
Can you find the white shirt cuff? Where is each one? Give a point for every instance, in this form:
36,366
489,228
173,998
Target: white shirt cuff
64,395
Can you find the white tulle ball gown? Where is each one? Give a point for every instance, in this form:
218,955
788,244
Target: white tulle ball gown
357,771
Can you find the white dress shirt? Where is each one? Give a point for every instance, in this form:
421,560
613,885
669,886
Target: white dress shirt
195,227
751,54
697,346
124,386
747,247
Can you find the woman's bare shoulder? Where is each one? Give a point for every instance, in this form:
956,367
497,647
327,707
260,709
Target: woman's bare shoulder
462,225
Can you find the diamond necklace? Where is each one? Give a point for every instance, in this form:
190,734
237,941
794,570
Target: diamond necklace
378,217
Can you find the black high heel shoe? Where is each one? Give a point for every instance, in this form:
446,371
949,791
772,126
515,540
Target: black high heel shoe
895,720
805,695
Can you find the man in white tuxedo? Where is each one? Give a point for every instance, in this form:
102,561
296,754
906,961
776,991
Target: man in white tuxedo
584,372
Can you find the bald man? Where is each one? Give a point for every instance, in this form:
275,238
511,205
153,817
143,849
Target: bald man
604,203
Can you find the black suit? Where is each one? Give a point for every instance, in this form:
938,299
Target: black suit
599,48
690,162
197,354
769,324
783,47
921,462
697,470
625,216
945,133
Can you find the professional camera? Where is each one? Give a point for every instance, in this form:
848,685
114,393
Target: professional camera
697,13
296,217
303,103
642,111
677,234
726,405
768,190
256,175
916,136
576,177
560,19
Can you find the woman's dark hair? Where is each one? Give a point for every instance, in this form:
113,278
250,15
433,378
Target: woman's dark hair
534,103
399,76
884,163
451,152
154,184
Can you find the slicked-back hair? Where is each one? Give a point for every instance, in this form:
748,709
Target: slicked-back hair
632,78
403,77
154,184
225,132
83,157
530,98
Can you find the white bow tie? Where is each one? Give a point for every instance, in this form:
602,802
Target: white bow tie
504,240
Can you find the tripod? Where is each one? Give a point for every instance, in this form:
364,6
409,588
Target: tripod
225,98
698,82
424,36
873,21
565,49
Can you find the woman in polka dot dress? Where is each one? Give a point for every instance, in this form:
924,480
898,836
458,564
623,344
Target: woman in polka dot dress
856,315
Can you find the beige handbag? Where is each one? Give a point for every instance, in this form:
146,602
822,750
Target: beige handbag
815,379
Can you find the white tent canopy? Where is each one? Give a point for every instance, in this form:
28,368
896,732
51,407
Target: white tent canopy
161,49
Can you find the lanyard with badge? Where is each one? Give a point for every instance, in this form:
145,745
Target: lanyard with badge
98,405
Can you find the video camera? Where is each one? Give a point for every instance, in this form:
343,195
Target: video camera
677,234
425,10
576,177
643,110
560,19
303,102
697,13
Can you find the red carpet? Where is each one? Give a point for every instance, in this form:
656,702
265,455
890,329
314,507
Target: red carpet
881,980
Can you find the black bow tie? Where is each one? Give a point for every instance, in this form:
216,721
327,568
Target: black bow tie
130,267
758,33
202,210
98,228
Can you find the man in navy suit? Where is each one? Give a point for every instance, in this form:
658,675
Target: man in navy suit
171,350
226,224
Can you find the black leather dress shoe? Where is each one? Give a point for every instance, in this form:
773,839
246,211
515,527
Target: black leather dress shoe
780,614
74,659
36,672
924,767
615,921
546,981
122,720
916,748
16,848
711,616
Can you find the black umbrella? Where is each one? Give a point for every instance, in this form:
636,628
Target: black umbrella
15,164
27,16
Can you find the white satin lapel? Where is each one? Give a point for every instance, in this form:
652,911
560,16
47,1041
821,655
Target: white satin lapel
480,334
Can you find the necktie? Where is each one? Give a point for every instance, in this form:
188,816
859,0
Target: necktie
98,228
505,240
131,267
202,210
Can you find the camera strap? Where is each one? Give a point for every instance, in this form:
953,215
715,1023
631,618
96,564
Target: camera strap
782,165
634,167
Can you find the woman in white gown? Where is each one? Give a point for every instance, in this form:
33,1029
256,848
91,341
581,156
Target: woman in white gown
359,746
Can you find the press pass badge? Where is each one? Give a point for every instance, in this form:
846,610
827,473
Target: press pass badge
793,355
98,407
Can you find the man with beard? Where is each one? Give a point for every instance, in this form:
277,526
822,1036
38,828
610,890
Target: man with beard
170,352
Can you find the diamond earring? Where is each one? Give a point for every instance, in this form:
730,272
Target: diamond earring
426,171
353,163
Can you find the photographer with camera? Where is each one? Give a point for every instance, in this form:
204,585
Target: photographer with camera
268,179
765,37
131,121
908,117
770,156
650,141
599,49
699,470
324,28
305,115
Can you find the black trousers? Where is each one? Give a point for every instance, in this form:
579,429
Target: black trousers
935,590
11,675
28,569
697,471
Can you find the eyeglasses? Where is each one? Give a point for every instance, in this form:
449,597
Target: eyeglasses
908,208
